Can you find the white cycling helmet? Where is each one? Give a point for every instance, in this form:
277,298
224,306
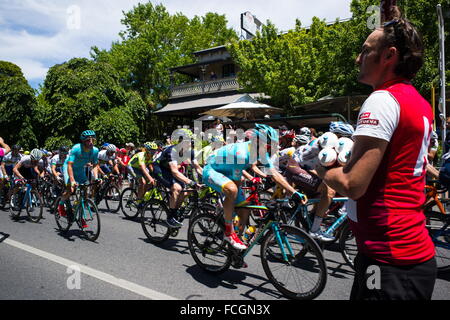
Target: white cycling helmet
36,154
111,148
342,128
305,131
303,139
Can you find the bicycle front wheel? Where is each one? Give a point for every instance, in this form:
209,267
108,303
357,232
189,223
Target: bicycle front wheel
62,221
16,203
206,243
112,199
153,221
89,212
128,203
303,274
35,206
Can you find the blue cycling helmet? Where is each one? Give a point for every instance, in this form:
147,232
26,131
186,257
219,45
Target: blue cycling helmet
265,133
342,128
88,134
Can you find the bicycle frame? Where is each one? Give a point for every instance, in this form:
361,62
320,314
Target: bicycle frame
80,203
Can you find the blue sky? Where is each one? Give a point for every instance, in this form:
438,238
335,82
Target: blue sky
37,34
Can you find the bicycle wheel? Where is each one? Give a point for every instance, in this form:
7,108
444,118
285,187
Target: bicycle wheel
35,206
347,245
112,199
89,212
206,244
304,275
15,203
63,223
204,208
438,228
128,203
153,221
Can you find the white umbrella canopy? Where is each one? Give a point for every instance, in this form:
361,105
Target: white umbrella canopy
243,108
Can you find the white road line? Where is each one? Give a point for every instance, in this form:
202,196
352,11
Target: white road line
130,286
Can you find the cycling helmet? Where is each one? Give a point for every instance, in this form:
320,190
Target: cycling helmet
434,135
36,154
150,146
265,133
303,139
123,151
15,147
111,148
63,150
26,153
88,134
305,132
342,128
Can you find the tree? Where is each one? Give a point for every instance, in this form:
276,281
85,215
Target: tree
76,92
155,41
115,126
17,107
304,65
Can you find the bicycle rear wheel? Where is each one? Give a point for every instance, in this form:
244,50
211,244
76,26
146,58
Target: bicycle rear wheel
35,206
112,199
206,244
89,212
153,221
304,275
347,245
128,203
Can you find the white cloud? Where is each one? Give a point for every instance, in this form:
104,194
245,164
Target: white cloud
35,35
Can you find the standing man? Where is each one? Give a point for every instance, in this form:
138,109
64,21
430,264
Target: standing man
385,177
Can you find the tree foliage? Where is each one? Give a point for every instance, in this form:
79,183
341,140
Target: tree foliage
76,92
115,126
154,41
304,65
17,107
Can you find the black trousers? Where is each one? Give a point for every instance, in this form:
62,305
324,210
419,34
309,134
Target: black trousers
380,281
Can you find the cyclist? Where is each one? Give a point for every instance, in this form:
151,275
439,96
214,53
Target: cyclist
7,166
302,172
4,148
27,167
57,162
166,169
107,160
122,160
224,170
81,155
139,166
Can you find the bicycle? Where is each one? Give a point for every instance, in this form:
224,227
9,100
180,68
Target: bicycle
4,193
155,212
26,195
110,192
83,211
437,223
286,252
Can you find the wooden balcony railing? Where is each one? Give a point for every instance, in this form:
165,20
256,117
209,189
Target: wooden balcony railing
205,87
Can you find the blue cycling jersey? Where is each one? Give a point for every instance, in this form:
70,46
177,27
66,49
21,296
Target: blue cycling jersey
80,159
232,159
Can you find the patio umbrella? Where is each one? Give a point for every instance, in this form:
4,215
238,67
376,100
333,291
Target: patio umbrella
244,108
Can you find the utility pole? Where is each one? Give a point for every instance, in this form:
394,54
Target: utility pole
442,104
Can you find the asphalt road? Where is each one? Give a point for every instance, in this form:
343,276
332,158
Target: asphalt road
38,262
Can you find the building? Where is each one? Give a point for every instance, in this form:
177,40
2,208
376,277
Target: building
213,83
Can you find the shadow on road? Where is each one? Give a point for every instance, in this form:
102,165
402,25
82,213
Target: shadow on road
231,279
171,244
70,234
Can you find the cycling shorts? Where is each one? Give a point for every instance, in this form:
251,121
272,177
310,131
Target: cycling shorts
304,180
106,168
217,181
165,176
